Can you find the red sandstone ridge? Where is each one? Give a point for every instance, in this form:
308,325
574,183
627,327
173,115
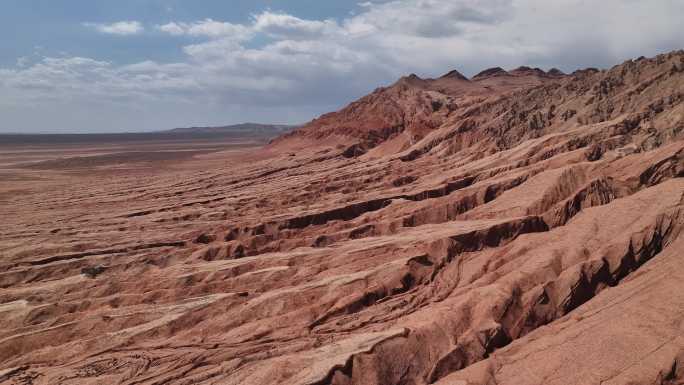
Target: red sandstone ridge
519,227
410,109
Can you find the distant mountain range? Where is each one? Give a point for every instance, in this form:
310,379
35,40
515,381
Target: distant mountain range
249,131
236,128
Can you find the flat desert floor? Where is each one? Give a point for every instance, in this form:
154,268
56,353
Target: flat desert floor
32,167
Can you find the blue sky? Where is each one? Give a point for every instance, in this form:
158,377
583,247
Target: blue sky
49,27
140,65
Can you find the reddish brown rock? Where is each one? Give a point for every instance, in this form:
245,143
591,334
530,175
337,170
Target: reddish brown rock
516,228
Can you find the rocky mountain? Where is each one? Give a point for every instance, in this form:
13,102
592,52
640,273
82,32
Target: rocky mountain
519,227
497,109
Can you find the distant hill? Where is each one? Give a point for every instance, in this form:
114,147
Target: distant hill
236,128
249,131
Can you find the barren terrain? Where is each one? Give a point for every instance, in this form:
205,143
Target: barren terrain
519,227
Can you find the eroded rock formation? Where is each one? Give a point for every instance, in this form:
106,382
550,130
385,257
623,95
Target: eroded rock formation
520,227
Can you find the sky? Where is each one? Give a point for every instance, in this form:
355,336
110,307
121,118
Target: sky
144,65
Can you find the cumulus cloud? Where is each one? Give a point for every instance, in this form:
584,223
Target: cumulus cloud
122,28
286,26
280,67
207,27
172,28
429,18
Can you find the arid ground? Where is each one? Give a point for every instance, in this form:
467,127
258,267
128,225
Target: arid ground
518,227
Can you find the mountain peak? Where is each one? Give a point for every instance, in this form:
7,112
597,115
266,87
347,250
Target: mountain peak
528,71
490,72
454,74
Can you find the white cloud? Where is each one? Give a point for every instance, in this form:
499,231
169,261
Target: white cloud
172,29
285,26
429,18
280,67
122,28
208,28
